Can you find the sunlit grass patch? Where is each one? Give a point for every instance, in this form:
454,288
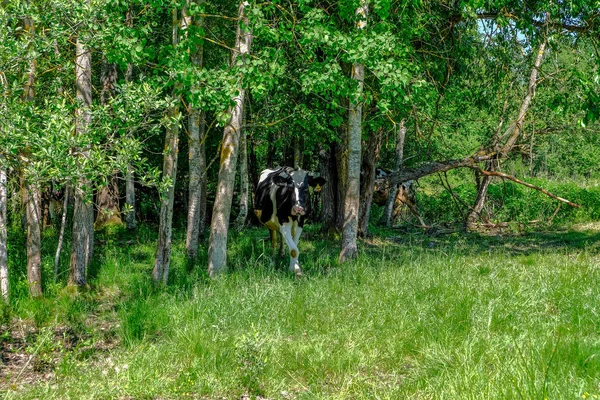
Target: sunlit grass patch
450,316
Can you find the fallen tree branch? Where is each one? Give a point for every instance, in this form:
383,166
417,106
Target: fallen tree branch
529,185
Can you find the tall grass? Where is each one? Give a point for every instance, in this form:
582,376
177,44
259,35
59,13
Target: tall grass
459,316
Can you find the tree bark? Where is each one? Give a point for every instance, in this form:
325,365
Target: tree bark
509,138
217,250
328,193
4,282
240,221
130,217
352,196
197,164
389,205
108,205
31,193
82,244
61,234
197,185
367,183
162,261
31,200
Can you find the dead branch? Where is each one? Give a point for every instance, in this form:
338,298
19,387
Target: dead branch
529,185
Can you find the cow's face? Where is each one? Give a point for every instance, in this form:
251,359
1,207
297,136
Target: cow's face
297,183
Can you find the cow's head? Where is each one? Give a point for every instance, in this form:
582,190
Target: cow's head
296,183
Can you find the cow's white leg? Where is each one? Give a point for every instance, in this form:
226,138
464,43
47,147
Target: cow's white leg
286,231
297,232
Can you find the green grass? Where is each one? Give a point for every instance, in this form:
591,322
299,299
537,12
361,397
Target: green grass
447,317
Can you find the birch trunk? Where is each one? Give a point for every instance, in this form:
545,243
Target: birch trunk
367,184
510,137
162,261
352,196
197,164
61,235
240,222
386,218
3,235
82,244
217,250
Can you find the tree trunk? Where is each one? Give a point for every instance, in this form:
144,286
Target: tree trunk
82,244
352,196
162,261
32,198
217,250
61,235
3,235
31,201
298,155
197,184
108,206
386,218
367,183
511,135
240,222
328,193
341,173
130,218
197,164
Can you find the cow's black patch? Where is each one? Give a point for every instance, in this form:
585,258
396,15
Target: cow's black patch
291,189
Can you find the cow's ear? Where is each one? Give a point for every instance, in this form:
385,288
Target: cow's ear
316,182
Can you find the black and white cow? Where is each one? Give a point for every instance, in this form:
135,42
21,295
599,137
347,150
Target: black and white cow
282,204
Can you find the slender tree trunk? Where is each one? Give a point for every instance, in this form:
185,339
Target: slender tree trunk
82,244
352,196
32,194
61,235
367,184
386,218
130,217
197,164
197,184
31,200
328,193
162,261
240,222
3,235
509,138
298,155
217,250
341,173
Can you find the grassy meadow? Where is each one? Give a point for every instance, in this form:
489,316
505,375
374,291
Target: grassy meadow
447,316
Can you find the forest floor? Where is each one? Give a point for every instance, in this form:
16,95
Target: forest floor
419,315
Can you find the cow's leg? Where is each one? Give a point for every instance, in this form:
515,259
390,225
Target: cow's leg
273,236
281,245
297,233
286,232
